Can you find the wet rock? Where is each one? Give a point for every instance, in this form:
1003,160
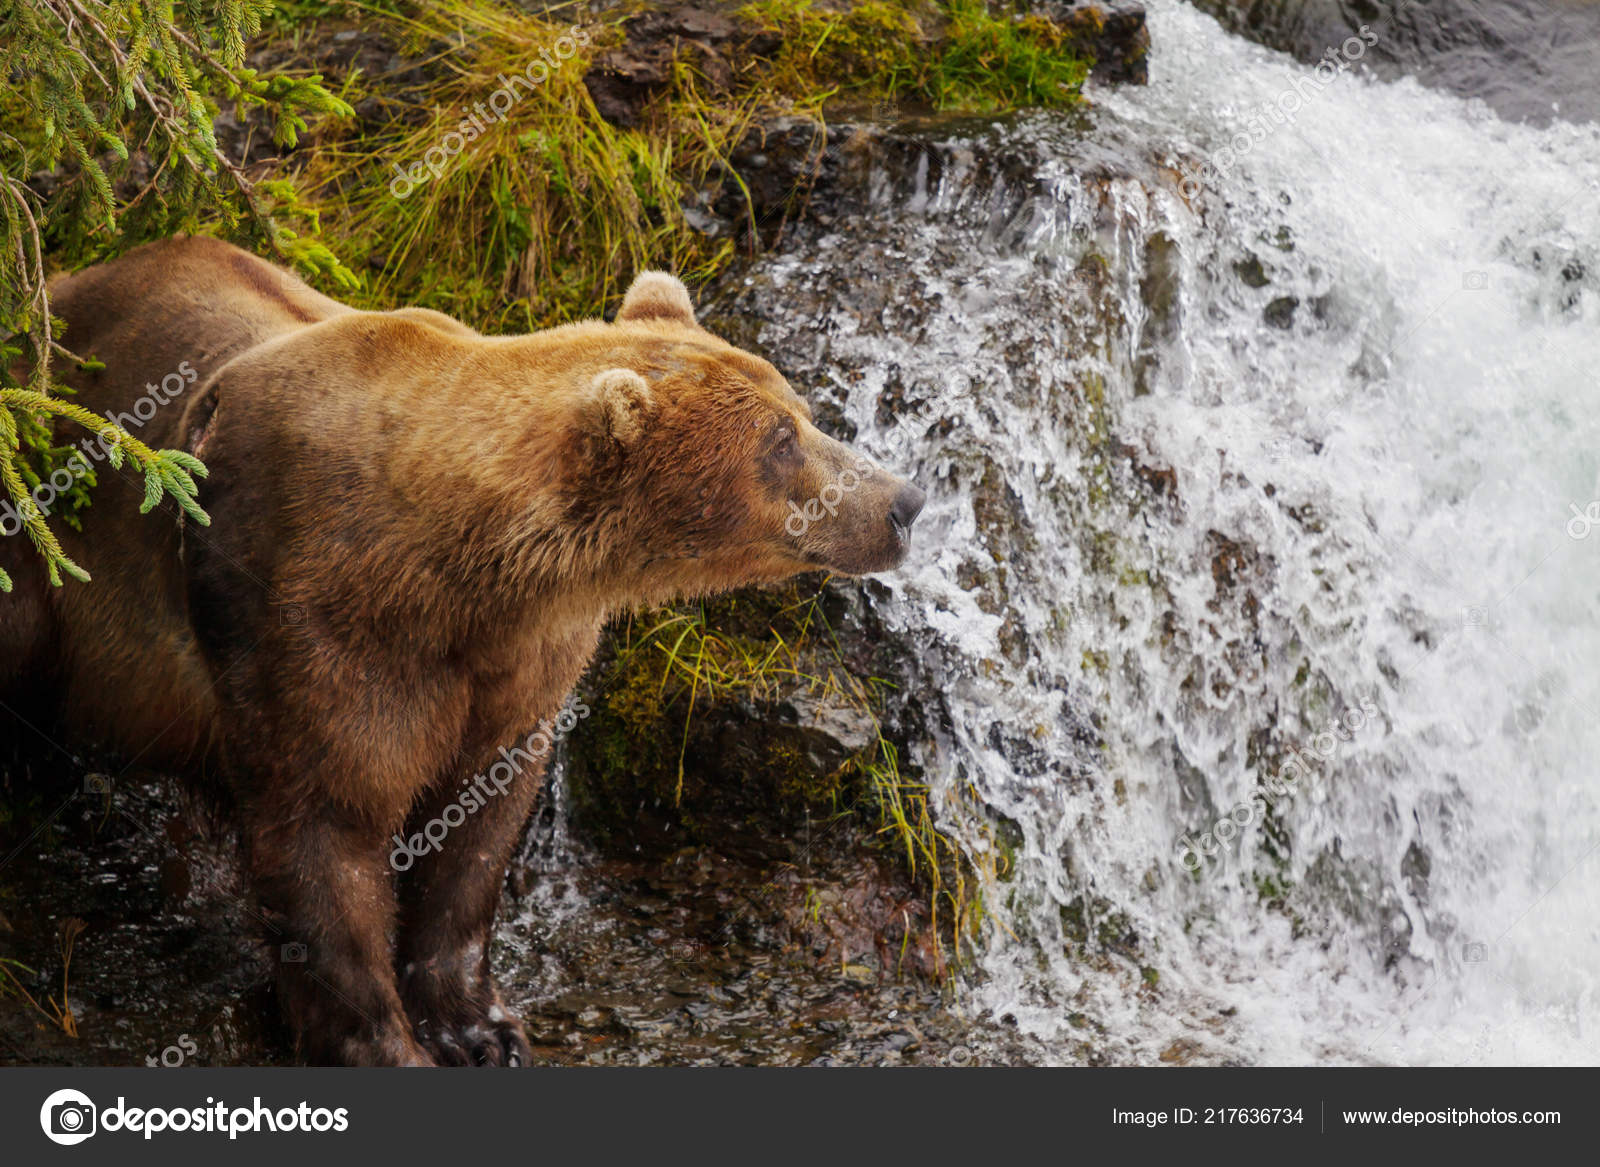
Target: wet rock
1280,312
1251,272
734,963
1181,1052
1415,868
1529,59
1113,34
780,162
160,964
620,82
1159,288
623,81
828,733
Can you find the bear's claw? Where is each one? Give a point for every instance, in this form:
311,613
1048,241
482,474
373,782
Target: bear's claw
479,1043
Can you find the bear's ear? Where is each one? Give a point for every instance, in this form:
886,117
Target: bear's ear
624,400
657,296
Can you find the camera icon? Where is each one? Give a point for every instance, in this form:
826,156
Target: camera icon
292,953
68,1117
72,1118
1475,952
1475,281
1475,617
291,615
96,784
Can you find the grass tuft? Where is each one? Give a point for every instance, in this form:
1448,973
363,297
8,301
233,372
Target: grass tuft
957,56
672,669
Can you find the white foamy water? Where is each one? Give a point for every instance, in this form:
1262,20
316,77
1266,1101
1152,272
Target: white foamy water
1369,505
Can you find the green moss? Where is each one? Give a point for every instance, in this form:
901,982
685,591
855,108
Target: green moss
1114,931
993,62
872,49
1072,922
1095,419
1269,889
1100,935
667,678
953,56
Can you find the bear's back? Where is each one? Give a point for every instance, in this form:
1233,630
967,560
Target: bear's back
163,320
179,304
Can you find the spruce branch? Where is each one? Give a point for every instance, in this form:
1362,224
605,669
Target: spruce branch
98,85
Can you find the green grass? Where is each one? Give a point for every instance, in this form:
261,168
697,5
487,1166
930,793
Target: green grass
954,56
545,215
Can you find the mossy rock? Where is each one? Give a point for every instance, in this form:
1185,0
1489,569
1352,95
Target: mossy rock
729,714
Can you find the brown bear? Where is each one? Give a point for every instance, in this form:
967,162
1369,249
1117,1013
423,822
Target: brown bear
418,534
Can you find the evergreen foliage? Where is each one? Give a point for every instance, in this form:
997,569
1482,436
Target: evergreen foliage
107,139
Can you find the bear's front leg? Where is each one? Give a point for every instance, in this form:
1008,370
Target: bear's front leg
323,878
461,840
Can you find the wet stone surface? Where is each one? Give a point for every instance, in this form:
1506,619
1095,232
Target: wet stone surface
688,959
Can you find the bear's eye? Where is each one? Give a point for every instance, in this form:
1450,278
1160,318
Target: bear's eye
787,444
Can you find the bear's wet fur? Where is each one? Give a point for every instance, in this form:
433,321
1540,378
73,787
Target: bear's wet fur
418,534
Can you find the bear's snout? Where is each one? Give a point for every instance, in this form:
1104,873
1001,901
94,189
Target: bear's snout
860,520
907,505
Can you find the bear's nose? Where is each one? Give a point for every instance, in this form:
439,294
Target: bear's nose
906,507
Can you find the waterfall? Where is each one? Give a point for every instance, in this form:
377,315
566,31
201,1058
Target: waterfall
1263,463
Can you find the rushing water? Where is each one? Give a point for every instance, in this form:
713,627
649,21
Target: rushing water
1223,449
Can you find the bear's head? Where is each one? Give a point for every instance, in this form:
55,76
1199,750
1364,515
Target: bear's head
701,461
